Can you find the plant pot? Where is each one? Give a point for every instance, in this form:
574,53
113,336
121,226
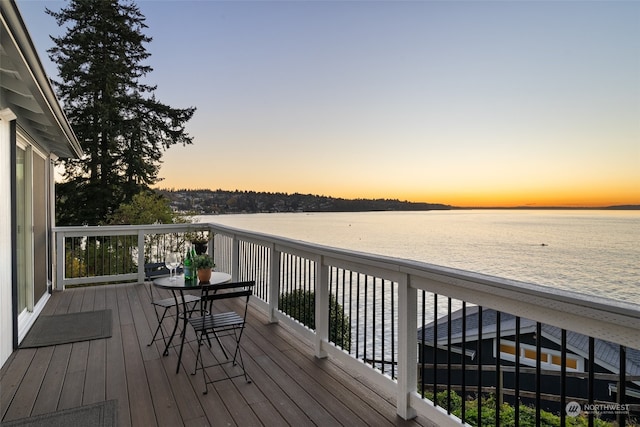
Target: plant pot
200,247
204,274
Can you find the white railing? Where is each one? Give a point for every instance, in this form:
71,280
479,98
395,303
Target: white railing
279,264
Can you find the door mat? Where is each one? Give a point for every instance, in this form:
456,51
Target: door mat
68,328
103,414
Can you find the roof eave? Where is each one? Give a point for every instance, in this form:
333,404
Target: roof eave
45,95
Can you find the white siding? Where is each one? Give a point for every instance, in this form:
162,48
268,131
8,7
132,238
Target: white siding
6,323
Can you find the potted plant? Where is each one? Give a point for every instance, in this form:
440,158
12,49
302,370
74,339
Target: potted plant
203,263
200,240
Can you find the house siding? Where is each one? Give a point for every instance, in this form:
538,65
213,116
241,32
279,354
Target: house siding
550,384
6,252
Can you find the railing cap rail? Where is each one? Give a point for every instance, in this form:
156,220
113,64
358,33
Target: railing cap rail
446,275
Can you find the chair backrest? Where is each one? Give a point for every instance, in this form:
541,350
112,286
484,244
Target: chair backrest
153,270
226,291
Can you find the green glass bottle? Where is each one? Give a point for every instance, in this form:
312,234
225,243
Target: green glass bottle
188,266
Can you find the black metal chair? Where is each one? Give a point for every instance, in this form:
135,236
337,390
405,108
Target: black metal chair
221,325
155,270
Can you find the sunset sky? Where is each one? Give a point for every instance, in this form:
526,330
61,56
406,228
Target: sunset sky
468,103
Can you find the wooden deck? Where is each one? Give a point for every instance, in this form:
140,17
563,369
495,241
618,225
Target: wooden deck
290,386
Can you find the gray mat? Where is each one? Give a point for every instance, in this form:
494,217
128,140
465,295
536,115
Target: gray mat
103,414
68,328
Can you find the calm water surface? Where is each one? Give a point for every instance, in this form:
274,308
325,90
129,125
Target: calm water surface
591,252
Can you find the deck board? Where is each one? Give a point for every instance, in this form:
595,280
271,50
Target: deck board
31,383
289,385
95,381
53,381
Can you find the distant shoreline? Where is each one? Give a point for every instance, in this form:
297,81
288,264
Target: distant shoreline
211,202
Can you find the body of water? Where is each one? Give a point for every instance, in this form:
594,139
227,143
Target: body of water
587,251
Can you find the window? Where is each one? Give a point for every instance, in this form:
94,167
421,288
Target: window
549,359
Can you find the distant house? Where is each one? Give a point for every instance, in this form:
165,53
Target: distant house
607,358
34,132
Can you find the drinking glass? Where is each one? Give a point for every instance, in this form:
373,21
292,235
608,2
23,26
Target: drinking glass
172,262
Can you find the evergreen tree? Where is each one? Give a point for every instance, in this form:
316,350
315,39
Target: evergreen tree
122,127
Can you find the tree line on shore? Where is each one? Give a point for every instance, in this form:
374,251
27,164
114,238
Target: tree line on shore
224,201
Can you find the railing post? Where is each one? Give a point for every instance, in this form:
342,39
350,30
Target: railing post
60,257
210,247
235,258
274,283
407,353
141,272
322,307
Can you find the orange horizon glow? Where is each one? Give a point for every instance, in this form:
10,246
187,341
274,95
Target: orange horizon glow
568,199
535,200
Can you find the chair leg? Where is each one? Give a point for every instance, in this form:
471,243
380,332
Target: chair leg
159,328
226,356
193,308
238,336
199,359
238,354
199,344
206,333
204,378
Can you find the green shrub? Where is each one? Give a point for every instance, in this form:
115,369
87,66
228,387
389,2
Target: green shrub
526,418
300,304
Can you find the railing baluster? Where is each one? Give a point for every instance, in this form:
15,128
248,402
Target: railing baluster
538,369
382,328
350,306
295,286
265,278
516,378
269,259
335,309
464,361
253,268
435,349
249,256
622,387
283,283
394,289
358,315
591,386
308,289
479,393
366,306
342,304
563,376
449,329
498,373
373,324
423,357
287,282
